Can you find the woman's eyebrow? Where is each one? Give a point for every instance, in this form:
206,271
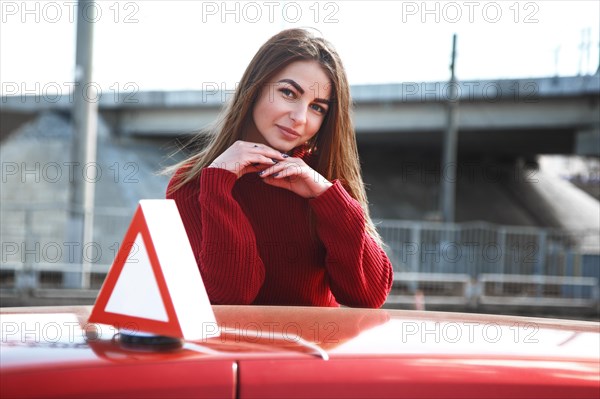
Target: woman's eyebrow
301,90
293,83
322,100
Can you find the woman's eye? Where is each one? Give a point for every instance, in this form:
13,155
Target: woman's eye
318,108
287,92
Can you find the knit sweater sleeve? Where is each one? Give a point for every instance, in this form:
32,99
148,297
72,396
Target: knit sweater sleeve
222,238
360,273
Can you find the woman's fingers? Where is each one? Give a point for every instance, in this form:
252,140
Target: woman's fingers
283,169
265,150
296,176
243,157
259,159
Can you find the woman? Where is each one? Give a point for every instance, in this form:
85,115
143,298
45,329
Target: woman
274,205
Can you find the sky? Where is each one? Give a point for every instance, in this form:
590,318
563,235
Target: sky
190,45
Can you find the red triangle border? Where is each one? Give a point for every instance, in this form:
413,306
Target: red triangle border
99,315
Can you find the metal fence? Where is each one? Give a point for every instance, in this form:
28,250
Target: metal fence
481,264
466,264
39,254
478,248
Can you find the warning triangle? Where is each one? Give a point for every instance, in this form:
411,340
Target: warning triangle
137,272
154,284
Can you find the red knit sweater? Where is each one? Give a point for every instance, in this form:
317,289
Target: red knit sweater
253,244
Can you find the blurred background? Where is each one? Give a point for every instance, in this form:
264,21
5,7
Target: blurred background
478,126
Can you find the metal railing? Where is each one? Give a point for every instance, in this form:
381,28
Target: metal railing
480,248
37,251
540,291
481,264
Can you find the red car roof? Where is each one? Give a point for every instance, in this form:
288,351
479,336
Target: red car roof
262,351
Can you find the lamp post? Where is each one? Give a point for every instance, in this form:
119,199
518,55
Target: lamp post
449,165
83,147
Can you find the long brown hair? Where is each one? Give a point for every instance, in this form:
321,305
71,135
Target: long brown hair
333,149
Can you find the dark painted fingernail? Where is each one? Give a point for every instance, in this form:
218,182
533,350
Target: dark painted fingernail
285,155
262,172
275,174
274,161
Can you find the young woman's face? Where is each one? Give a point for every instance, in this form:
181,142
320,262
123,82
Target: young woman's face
291,108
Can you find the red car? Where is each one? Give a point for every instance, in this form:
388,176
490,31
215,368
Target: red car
298,352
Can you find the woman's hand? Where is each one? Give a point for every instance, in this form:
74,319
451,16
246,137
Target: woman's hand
243,157
295,175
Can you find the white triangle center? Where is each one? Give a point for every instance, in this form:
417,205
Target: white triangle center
136,291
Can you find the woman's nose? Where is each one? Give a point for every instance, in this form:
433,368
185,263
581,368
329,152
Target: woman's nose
298,114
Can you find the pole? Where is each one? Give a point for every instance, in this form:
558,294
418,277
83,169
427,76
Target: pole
449,166
83,148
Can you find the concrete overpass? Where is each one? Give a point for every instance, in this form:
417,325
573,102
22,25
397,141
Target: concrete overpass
506,118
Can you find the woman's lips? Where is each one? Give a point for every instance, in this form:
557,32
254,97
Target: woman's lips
287,132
